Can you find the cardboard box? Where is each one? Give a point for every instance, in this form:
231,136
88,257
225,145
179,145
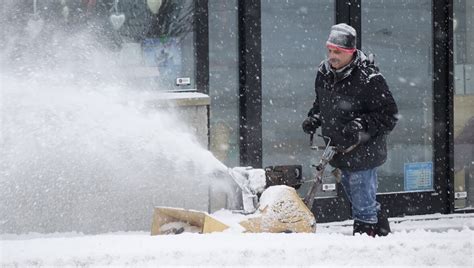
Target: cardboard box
203,221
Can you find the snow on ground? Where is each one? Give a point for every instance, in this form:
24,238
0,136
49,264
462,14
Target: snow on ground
432,240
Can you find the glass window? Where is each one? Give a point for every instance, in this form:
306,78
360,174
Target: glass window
153,39
399,34
293,44
156,41
223,80
463,25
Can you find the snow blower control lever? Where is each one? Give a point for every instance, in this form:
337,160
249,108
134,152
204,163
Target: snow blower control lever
328,154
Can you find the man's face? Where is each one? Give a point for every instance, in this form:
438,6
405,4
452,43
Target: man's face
338,58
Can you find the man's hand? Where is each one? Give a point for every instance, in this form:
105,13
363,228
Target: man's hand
355,130
311,124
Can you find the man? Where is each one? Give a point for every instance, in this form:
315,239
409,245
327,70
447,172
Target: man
353,105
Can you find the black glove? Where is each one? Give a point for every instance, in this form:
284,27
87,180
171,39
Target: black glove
311,123
354,129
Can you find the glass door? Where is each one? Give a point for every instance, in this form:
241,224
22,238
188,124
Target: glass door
224,81
463,24
399,34
294,34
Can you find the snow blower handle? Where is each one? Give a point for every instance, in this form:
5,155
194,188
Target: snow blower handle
327,156
318,147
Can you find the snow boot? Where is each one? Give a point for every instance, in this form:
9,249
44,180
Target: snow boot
382,228
361,227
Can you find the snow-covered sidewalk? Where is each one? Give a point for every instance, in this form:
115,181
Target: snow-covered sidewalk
433,240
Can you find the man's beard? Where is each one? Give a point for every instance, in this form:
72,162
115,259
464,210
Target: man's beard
334,61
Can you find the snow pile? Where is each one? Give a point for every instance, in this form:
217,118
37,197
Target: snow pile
422,246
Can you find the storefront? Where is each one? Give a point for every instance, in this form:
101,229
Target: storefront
413,43
257,61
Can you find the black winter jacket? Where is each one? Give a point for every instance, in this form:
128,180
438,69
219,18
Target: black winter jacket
356,91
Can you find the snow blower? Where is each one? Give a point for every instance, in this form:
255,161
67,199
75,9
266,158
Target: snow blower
268,206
